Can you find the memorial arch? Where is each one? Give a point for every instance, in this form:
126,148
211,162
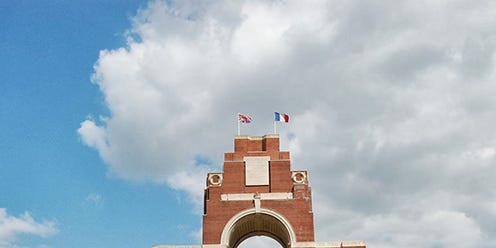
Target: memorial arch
257,194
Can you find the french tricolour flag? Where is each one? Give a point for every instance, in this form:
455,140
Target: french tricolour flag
281,117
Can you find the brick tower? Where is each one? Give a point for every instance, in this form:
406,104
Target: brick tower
257,176
258,194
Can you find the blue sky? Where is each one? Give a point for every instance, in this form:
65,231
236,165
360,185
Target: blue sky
112,113
48,49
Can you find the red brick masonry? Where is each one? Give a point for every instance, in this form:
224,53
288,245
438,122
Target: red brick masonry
298,211
270,200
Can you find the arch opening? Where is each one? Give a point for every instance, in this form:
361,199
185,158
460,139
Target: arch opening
262,223
260,242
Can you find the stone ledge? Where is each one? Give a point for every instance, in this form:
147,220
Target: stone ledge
353,243
316,245
342,244
328,244
256,137
251,196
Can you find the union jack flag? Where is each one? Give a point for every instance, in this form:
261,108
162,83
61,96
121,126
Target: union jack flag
244,118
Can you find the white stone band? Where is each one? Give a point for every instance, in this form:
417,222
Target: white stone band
251,196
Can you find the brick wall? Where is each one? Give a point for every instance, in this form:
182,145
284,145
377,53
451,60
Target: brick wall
298,211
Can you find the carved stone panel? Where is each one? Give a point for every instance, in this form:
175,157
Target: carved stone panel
257,170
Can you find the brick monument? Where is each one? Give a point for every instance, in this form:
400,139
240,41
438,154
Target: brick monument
258,194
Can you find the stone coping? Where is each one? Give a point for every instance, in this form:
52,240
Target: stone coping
252,196
256,137
342,244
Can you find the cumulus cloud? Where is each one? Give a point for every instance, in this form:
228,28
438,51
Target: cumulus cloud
392,107
11,227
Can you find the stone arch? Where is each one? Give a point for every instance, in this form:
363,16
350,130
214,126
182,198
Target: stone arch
255,222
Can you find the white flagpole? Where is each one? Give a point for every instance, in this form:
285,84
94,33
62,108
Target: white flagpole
275,127
239,127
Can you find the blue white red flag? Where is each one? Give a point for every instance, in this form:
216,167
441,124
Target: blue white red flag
244,118
281,117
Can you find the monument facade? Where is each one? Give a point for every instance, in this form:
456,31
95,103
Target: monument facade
258,194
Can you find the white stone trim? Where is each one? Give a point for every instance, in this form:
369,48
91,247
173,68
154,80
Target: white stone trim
256,137
303,174
276,196
257,205
328,244
316,244
293,245
214,246
251,196
353,243
211,179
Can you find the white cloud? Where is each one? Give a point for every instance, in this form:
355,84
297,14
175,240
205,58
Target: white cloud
93,135
191,181
94,199
392,103
11,227
441,228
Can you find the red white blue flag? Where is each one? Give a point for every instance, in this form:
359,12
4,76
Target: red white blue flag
244,118
281,117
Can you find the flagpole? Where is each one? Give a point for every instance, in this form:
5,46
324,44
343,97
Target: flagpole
239,127
275,128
